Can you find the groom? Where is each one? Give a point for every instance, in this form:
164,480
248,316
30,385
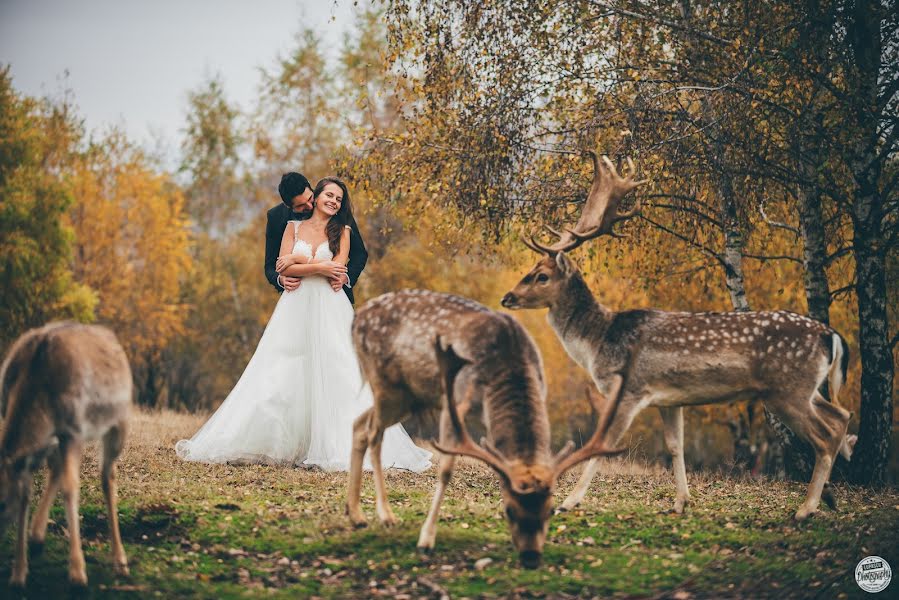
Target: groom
296,204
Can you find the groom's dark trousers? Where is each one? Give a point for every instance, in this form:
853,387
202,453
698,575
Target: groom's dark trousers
278,216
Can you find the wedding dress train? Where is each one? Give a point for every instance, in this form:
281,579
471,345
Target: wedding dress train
297,398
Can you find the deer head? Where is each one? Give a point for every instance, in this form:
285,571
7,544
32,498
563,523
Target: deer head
544,285
546,281
601,209
526,488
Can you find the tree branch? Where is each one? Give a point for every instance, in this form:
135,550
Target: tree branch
686,240
773,257
778,224
692,211
838,254
843,290
660,21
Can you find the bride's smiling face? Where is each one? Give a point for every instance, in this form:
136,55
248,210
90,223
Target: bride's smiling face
330,199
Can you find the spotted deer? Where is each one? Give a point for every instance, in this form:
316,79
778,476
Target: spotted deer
641,358
61,385
421,350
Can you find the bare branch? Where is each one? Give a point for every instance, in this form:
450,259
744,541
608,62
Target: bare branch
660,21
709,252
846,289
845,250
778,224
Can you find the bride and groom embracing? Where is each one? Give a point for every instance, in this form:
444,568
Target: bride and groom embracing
297,398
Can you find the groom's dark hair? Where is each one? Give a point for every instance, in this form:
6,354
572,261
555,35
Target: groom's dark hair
292,185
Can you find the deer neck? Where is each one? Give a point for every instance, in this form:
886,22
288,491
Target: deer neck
517,422
577,318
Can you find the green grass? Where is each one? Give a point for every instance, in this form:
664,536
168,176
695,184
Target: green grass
244,531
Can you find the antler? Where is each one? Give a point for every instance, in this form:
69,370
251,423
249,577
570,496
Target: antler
600,212
450,364
596,445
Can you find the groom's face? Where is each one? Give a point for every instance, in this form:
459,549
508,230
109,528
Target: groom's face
303,202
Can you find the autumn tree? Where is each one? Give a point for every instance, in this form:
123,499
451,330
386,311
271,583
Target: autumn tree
131,248
35,240
733,109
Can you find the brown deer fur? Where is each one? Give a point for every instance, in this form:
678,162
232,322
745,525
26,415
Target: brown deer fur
675,359
61,385
481,356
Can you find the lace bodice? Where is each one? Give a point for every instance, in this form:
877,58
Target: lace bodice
323,252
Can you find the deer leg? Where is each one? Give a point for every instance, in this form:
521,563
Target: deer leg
354,486
429,529
42,515
385,514
673,421
823,425
627,409
112,447
70,483
20,564
579,492
826,431
444,473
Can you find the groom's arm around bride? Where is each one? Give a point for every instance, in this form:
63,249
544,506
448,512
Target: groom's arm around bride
296,204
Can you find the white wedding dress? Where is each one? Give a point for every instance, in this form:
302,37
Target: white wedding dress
301,391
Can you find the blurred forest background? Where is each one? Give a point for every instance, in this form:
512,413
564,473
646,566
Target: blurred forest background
768,132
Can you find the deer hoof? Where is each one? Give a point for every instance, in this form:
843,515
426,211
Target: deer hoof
803,513
17,582
121,568
426,550
78,579
356,517
828,497
389,521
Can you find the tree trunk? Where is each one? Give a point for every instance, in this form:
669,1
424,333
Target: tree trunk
733,250
814,253
872,452
876,410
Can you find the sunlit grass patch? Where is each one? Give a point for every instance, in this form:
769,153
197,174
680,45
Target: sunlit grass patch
221,531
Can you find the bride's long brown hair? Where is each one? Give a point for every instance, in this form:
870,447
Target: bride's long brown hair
341,218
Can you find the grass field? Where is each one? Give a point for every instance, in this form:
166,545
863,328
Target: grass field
195,530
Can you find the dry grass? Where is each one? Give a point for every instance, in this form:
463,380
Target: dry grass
223,531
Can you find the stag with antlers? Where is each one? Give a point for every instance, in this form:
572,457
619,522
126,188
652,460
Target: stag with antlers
676,359
489,361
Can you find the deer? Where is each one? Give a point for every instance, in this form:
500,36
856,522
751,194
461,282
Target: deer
420,350
61,385
669,360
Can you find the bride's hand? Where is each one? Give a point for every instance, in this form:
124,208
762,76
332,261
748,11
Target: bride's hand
332,269
284,262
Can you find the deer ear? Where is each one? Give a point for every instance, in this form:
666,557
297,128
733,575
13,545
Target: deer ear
564,263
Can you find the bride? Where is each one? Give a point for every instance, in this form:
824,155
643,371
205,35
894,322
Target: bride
296,401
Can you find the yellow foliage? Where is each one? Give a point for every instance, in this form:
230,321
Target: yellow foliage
131,246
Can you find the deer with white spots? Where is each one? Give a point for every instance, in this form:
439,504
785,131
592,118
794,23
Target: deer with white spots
641,358
61,386
418,347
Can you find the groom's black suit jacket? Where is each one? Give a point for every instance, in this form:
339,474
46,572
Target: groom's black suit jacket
278,216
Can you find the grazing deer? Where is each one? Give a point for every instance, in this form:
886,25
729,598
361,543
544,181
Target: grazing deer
61,385
394,336
640,358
